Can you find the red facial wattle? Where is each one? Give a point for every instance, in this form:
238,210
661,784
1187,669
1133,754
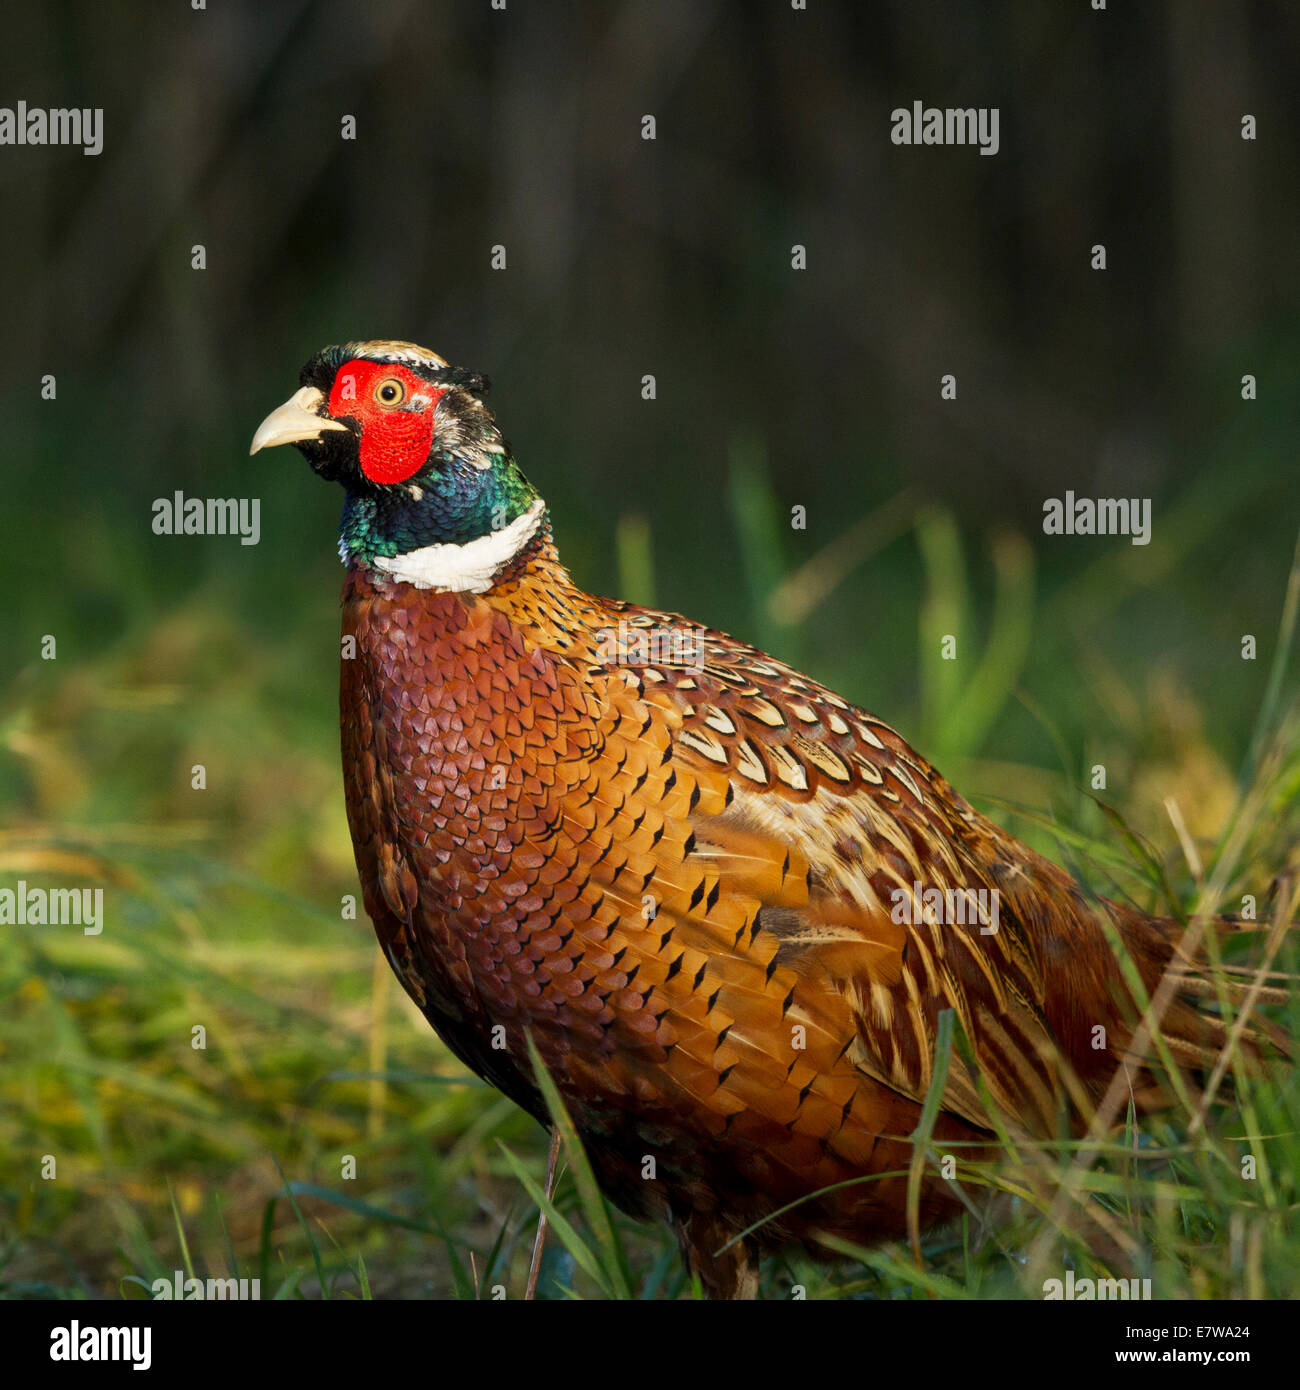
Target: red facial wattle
395,439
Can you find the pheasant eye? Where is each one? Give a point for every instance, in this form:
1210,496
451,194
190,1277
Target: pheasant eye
390,391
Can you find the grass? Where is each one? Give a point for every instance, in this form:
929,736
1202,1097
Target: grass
315,1135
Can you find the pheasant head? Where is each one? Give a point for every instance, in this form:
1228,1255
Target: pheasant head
434,496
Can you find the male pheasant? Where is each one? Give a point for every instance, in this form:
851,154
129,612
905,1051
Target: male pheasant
704,883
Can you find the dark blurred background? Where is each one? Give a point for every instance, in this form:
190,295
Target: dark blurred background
775,388
672,257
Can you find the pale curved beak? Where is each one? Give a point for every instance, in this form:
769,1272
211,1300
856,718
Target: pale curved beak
297,419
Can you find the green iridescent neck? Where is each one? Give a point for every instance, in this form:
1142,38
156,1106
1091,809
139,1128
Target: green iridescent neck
450,501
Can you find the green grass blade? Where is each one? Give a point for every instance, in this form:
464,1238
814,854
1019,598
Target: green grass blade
634,551
594,1206
311,1239
180,1232
564,1229
925,1127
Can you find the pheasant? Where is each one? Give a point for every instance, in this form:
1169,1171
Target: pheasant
725,903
